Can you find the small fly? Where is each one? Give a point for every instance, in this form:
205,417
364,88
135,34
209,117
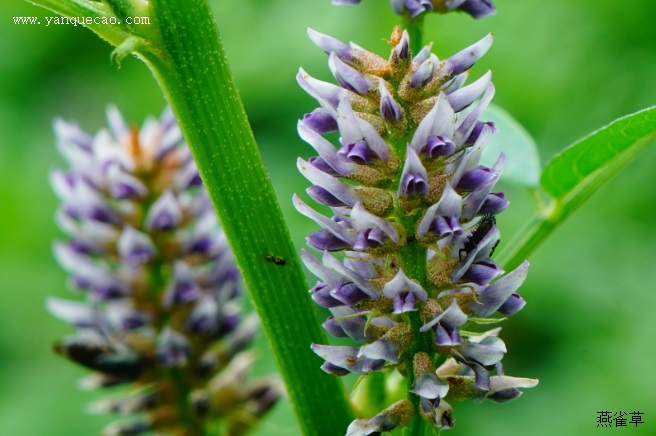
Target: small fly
278,260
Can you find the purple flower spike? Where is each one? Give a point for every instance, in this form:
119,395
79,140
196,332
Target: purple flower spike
443,213
404,292
156,271
414,179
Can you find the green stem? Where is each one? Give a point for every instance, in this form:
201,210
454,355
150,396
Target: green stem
413,262
415,28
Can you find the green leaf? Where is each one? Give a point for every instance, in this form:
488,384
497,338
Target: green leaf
593,159
575,174
522,158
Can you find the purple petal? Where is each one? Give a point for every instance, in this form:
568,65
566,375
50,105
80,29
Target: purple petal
414,179
330,44
320,121
513,304
382,349
390,110
358,153
349,77
353,129
491,298
424,73
338,189
135,247
477,8
494,203
476,179
443,216
438,122
482,273
465,59
401,284
327,94
430,387
438,146
402,49
340,356
165,214
463,97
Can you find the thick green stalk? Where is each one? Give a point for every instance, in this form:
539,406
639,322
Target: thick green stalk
413,262
185,54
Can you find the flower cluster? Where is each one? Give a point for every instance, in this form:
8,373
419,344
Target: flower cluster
413,212
159,282
475,8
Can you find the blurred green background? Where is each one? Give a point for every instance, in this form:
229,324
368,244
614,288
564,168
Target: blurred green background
562,68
